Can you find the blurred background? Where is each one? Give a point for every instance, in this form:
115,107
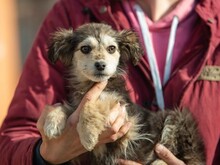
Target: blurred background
19,23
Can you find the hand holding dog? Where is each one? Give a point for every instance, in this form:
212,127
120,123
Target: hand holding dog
55,150
164,155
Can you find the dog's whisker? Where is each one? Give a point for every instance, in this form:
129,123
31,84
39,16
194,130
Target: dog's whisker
121,71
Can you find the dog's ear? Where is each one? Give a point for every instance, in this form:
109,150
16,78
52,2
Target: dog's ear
61,46
129,46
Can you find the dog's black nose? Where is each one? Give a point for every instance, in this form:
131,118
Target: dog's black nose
100,66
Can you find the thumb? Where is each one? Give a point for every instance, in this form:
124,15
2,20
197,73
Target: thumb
93,94
167,156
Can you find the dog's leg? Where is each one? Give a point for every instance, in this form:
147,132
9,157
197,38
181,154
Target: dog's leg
92,122
55,122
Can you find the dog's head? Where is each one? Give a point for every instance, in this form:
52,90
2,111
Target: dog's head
94,51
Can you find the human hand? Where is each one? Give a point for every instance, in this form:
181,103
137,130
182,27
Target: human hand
167,156
163,153
127,162
118,125
63,148
68,146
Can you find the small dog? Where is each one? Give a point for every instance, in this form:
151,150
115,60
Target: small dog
94,53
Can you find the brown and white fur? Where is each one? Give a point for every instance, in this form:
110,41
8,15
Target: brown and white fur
94,53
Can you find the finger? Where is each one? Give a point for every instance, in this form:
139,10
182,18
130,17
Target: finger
122,131
115,111
167,156
113,123
93,94
127,162
119,121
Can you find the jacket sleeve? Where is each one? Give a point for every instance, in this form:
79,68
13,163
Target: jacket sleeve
40,83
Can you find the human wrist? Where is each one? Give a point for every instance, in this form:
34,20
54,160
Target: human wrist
38,159
48,155
53,154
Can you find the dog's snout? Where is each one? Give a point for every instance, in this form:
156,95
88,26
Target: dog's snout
100,66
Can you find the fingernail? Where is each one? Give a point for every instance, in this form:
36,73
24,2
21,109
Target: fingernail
159,148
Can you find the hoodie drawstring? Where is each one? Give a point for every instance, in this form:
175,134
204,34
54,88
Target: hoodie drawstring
151,55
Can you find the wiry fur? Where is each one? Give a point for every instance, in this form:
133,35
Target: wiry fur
174,129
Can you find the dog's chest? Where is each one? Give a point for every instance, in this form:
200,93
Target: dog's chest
108,96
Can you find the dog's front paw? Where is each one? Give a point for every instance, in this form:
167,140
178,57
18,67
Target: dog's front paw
55,123
88,138
92,122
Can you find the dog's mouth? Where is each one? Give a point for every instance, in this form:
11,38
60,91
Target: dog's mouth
98,76
101,76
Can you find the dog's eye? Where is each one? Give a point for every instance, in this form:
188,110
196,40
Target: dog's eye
111,49
85,49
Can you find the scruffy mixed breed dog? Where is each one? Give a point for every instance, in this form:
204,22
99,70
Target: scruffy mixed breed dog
94,53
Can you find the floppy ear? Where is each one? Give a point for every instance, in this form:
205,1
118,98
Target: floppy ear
61,46
129,46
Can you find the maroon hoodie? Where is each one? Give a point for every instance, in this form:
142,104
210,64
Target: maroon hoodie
194,83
